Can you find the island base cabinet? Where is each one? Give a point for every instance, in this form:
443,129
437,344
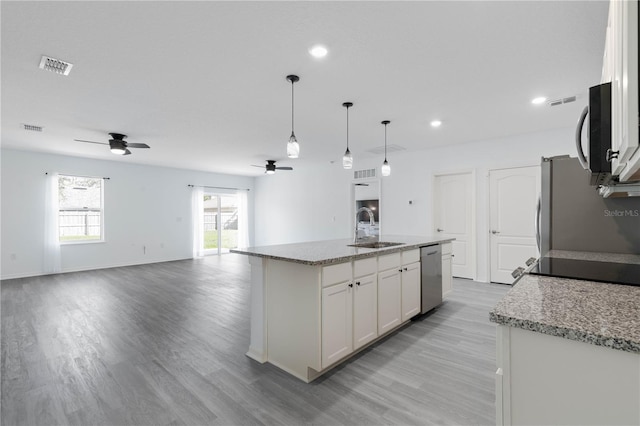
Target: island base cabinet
337,328
447,279
410,291
389,300
544,379
365,311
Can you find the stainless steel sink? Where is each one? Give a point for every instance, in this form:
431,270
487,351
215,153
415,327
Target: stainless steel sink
376,244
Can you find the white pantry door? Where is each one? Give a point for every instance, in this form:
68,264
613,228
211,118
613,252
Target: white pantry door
513,194
454,217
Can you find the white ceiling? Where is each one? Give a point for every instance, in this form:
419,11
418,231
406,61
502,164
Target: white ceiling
204,83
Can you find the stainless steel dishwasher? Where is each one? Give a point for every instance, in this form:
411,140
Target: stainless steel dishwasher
431,275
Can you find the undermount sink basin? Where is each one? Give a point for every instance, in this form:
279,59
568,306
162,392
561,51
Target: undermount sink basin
377,244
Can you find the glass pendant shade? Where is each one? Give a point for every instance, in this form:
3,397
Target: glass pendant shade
293,149
386,168
347,160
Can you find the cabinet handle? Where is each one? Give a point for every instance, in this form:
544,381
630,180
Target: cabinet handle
350,284
439,230
357,282
399,270
405,269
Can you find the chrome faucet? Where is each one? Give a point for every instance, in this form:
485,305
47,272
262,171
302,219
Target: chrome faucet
372,220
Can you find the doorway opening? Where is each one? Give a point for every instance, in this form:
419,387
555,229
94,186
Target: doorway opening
220,218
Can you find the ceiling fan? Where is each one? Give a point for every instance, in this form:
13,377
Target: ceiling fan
117,144
270,167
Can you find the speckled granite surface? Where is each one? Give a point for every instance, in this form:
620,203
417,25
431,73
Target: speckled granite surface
598,257
335,251
597,313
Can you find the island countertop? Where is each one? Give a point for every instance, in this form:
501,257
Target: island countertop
336,251
598,313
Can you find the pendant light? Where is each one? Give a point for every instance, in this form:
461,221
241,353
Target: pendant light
293,149
386,168
347,158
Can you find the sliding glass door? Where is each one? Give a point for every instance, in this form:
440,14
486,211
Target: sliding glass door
220,222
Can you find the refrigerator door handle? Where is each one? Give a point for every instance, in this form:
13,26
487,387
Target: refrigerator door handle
581,157
537,222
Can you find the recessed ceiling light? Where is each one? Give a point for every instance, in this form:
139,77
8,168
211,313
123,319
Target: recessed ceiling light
436,123
318,51
539,100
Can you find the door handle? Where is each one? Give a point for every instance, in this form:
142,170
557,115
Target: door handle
494,232
581,157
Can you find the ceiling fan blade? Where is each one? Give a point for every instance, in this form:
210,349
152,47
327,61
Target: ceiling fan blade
137,145
284,168
253,165
126,152
99,143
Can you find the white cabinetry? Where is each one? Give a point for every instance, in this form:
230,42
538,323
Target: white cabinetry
317,316
389,293
620,66
544,379
447,280
410,277
349,308
337,322
365,302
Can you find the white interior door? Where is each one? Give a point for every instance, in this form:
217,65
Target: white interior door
513,194
454,217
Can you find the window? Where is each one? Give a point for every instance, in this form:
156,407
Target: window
80,203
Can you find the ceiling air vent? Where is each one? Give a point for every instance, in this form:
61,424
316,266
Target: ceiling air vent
31,127
561,101
363,174
55,65
390,148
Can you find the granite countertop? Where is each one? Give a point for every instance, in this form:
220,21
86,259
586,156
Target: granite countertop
597,313
336,251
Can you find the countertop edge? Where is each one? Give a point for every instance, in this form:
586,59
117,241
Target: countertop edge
346,258
566,333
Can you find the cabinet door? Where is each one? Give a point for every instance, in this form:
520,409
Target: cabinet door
410,290
337,317
365,310
447,280
389,303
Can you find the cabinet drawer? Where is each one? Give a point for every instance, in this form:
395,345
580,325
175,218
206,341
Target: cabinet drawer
364,267
410,256
389,261
446,248
337,273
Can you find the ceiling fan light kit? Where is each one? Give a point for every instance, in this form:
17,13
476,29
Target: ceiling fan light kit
293,148
386,168
117,144
347,158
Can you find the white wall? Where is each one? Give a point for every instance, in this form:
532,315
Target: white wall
145,206
309,203
300,205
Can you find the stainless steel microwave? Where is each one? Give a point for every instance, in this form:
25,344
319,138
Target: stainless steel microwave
598,158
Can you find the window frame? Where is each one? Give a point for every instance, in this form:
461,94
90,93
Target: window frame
101,210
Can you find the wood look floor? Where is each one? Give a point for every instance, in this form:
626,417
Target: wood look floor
164,344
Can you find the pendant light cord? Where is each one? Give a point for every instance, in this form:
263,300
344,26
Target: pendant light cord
385,142
292,132
347,128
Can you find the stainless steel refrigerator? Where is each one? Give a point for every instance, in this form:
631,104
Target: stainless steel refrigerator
573,216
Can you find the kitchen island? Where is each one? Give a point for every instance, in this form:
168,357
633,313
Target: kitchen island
315,304
568,351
